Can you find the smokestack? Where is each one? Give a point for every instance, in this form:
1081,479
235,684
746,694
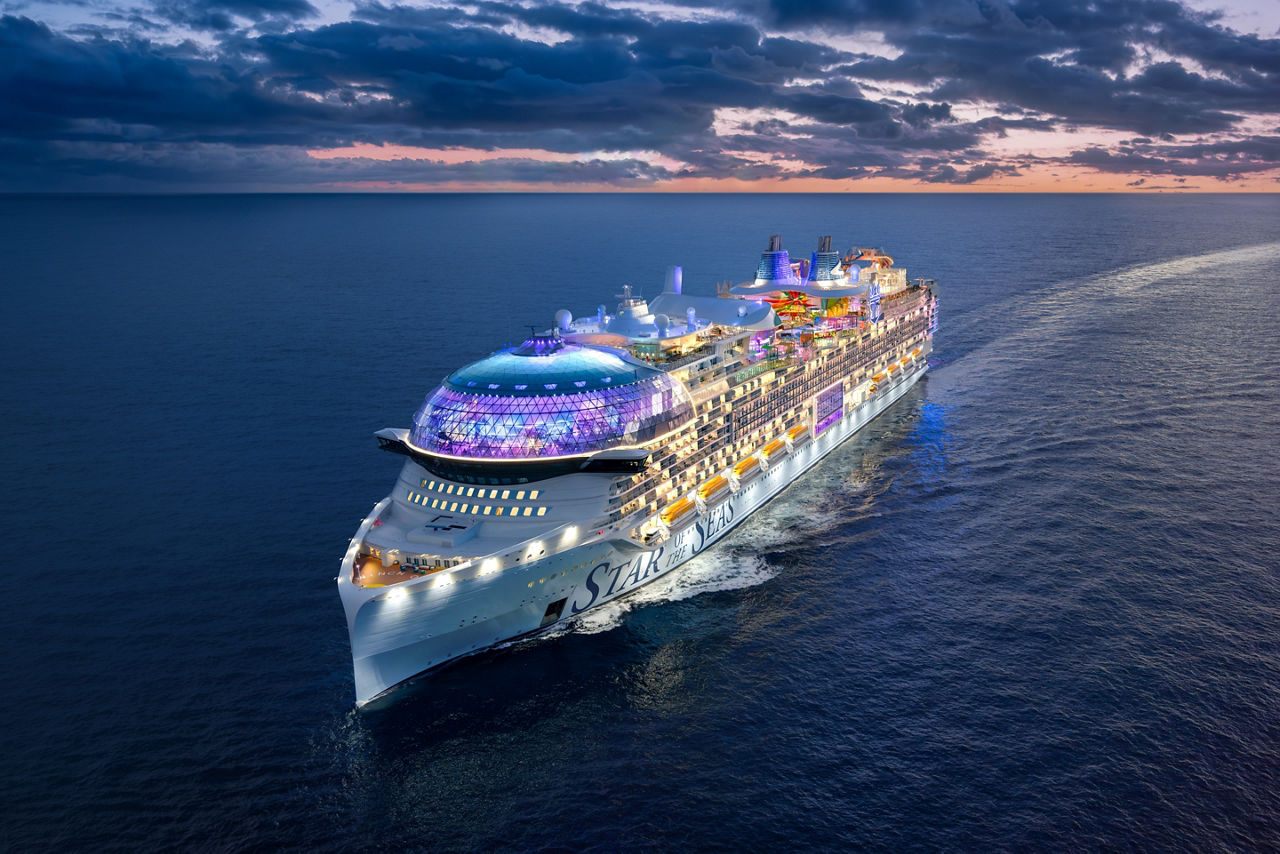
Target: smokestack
675,280
775,243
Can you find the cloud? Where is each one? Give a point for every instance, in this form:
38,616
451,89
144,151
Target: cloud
225,15
1224,160
130,99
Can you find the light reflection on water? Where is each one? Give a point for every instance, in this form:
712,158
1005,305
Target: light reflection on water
1033,606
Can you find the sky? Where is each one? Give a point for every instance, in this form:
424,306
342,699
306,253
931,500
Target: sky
640,95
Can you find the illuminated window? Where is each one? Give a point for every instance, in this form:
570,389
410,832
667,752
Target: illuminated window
487,509
449,491
534,494
506,493
453,507
528,511
435,502
520,495
542,511
471,490
499,513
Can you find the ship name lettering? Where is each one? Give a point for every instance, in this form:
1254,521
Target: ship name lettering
642,566
681,550
617,573
592,586
717,520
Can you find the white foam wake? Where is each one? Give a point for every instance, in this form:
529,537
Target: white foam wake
1068,304
717,569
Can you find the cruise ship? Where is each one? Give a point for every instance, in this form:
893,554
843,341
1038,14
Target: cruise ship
552,477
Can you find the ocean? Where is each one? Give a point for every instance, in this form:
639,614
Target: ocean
1034,606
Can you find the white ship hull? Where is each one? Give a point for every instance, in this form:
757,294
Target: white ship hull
402,631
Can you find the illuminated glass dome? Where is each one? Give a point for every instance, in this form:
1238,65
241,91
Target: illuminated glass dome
547,398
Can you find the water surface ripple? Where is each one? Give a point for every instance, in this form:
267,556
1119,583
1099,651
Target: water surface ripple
1036,605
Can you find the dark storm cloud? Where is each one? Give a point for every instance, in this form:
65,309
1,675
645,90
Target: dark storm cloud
112,100
28,167
1226,160
224,16
1067,59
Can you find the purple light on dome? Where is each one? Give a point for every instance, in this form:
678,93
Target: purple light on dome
493,427
540,345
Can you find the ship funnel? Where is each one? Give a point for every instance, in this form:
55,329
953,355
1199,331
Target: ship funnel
675,280
824,264
775,266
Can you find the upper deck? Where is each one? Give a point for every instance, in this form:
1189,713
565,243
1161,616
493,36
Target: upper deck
605,421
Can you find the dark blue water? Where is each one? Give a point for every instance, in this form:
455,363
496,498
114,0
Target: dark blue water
1034,606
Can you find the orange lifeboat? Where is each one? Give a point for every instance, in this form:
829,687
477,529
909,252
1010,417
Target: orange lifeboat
774,448
675,511
746,466
713,487
798,433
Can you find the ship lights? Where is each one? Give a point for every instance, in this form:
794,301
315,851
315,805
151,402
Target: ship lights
506,427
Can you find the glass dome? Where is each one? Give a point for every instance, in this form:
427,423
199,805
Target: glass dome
547,398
